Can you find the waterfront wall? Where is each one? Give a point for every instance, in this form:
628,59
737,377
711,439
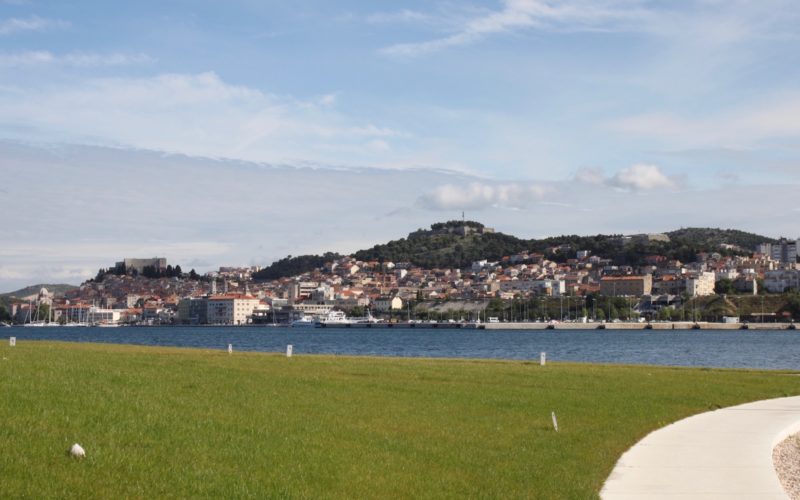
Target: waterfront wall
675,325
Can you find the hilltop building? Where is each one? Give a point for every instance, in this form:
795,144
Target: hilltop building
157,263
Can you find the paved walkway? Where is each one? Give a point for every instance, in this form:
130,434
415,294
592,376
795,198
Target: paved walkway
725,453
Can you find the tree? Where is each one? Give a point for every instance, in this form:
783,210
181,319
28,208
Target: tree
193,275
792,306
4,315
43,312
724,286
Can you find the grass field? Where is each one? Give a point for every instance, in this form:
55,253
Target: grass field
163,422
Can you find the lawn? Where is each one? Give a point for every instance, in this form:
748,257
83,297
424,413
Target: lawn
165,422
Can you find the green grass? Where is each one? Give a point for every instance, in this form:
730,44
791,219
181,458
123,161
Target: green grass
162,422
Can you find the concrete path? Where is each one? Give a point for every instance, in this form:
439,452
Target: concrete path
725,453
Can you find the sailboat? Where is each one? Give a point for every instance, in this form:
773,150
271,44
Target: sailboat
31,322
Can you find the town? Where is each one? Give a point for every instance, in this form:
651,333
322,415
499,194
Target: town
562,284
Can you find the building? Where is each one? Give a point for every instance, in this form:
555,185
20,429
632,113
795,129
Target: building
781,281
701,285
157,263
231,309
785,251
99,316
621,286
193,311
385,304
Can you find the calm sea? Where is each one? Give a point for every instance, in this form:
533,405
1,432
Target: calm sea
711,348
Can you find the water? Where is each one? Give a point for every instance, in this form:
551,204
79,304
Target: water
772,349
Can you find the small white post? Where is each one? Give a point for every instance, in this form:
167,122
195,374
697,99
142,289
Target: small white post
542,358
555,420
289,351
230,348
12,341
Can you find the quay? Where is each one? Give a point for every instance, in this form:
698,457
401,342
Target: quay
668,325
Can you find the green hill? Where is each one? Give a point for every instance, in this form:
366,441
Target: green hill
456,244
710,237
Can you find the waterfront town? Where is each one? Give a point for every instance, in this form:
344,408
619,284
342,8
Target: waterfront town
151,292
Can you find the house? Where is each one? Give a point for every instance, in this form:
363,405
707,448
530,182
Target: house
385,304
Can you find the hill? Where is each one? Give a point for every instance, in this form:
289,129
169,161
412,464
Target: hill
7,298
292,266
708,236
58,289
456,244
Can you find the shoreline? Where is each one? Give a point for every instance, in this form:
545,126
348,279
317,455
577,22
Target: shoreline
522,325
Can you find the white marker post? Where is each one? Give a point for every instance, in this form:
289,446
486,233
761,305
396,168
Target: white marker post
542,358
230,348
289,351
555,420
12,341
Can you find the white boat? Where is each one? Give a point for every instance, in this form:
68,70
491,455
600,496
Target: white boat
338,319
306,320
331,319
366,320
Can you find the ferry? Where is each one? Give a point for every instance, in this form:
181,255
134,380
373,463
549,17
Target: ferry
306,320
333,318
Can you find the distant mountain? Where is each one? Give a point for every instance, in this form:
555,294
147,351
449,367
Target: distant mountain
456,244
7,298
57,289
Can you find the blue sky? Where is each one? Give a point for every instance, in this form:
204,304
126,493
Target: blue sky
537,117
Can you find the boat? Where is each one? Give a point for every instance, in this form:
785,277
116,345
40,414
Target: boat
337,319
306,320
333,318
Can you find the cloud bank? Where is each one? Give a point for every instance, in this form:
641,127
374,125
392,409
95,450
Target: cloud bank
638,177
478,195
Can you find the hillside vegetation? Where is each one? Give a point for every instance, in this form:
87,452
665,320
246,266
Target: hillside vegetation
442,247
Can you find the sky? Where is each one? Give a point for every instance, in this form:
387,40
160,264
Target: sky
239,132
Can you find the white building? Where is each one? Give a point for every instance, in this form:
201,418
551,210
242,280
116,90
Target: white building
782,280
701,284
231,309
384,304
99,316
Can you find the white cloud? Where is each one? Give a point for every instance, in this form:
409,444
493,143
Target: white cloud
639,177
73,59
34,23
196,114
482,195
550,15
